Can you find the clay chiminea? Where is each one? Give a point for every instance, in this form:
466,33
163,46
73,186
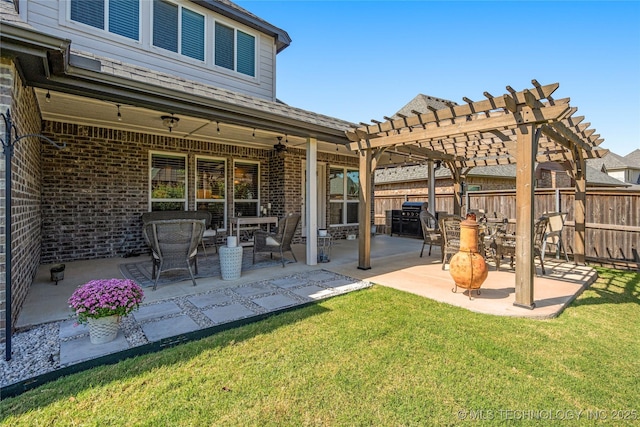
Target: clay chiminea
467,267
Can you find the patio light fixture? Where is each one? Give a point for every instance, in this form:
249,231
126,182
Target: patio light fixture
170,121
280,148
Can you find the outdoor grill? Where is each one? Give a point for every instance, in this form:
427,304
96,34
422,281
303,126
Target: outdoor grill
406,222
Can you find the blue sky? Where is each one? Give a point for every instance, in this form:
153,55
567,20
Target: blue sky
362,60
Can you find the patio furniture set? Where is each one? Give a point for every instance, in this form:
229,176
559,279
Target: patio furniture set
494,239
175,236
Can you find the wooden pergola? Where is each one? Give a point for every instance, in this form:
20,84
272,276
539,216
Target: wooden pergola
519,128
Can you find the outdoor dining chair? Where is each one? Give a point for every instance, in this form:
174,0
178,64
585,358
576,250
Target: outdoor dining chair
431,235
174,245
506,244
280,241
553,234
450,229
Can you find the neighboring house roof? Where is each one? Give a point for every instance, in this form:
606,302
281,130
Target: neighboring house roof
633,158
612,161
421,103
421,172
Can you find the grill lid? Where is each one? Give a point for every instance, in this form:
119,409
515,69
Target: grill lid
412,206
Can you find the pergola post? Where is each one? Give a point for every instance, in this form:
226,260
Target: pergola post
364,209
432,187
526,147
580,213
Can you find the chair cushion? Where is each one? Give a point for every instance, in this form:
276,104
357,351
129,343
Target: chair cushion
209,233
271,241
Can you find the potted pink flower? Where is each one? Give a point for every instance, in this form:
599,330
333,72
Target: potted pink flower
101,304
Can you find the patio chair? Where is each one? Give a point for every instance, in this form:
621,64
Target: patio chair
174,245
430,233
553,235
450,229
279,241
210,234
506,244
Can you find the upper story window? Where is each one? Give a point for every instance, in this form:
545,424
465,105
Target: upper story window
235,50
120,17
178,29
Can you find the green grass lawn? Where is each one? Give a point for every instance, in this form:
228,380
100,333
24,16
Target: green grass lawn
376,357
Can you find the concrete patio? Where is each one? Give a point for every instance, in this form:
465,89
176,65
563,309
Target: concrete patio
394,263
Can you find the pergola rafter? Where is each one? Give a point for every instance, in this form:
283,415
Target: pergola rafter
518,127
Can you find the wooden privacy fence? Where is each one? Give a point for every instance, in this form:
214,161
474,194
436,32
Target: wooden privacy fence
612,233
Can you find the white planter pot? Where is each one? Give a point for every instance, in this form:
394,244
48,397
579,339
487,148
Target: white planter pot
103,329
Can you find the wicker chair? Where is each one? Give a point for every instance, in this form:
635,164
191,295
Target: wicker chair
506,244
174,245
277,242
431,235
450,229
210,234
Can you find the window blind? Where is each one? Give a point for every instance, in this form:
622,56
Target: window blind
224,47
192,34
90,12
124,18
246,54
165,25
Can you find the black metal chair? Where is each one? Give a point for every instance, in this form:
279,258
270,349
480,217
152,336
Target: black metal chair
174,245
280,241
430,233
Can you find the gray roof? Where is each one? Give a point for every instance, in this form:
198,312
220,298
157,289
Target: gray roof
613,161
421,103
137,73
633,158
421,172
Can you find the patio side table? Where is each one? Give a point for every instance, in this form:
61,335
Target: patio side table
230,262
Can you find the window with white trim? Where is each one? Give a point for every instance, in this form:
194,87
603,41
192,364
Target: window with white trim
168,181
344,185
178,29
246,184
120,17
235,50
211,185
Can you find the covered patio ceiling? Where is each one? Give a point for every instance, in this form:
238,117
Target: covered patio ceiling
518,127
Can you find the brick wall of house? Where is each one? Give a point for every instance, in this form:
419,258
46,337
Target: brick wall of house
26,189
96,189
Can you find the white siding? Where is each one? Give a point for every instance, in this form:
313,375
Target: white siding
619,175
50,17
